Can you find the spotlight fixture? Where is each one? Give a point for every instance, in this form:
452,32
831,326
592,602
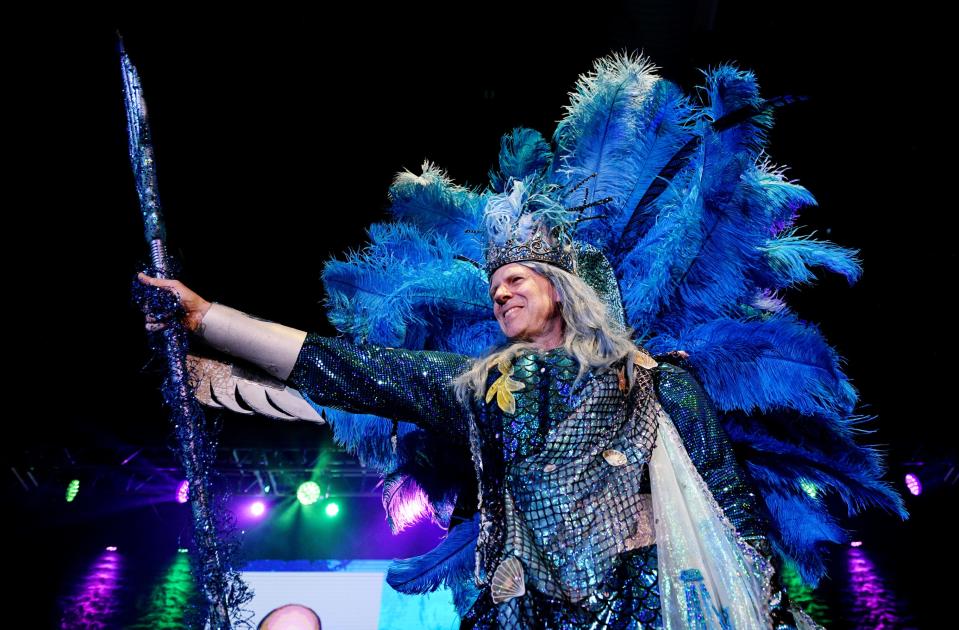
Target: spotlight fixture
308,493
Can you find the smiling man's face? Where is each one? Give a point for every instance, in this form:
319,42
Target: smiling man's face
525,304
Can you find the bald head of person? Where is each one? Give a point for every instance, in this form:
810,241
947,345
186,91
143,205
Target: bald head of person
291,617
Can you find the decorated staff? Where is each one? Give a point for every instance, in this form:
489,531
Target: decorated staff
223,590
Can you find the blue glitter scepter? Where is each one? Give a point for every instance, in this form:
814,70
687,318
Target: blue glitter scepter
220,584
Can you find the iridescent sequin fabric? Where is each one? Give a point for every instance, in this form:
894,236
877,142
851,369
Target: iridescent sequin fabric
563,482
628,601
550,496
406,385
710,450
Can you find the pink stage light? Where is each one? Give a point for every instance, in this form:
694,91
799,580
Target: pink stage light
257,508
913,483
183,492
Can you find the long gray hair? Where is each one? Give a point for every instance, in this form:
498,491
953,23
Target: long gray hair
589,334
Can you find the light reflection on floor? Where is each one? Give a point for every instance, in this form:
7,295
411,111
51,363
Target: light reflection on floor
858,596
871,601
96,598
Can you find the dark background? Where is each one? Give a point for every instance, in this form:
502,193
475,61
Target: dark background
277,136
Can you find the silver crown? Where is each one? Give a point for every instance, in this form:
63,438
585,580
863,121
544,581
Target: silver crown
540,246
529,222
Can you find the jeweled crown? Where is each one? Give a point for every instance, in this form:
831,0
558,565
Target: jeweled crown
540,246
527,222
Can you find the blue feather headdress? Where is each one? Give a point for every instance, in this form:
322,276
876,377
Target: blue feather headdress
700,231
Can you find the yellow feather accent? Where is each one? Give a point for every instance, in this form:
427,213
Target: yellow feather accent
503,388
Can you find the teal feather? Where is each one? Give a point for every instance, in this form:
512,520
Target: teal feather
523,152
434,204
624,123
378,294
792,258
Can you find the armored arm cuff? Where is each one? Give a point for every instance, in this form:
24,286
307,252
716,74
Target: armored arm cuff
271,346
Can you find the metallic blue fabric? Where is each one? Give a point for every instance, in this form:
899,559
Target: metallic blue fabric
710,450
405,385
554,501
629,600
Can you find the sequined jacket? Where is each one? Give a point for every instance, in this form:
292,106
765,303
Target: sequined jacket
562,476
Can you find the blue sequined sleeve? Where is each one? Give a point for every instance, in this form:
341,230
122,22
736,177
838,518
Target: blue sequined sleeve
404,385
711,451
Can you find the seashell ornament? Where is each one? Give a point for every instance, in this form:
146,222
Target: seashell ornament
508,581
614,457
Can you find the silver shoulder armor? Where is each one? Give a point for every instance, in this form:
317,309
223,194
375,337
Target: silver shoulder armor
220,384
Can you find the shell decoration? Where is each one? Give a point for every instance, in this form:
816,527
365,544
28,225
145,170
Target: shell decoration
508,581
614,457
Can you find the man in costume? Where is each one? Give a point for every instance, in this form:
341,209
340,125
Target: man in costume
557,498
561,434
584,482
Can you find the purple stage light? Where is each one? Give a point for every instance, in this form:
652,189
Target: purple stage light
111,548
856,543
183,492
913,483
257,508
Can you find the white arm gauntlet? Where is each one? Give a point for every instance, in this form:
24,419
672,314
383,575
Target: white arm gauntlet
271,346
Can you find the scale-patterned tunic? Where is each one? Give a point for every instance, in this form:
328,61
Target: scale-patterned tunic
562,473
